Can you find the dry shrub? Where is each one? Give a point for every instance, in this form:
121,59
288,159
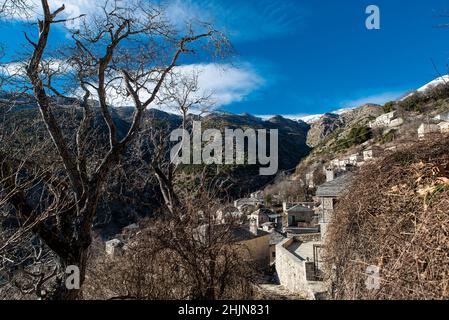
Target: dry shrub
396,217
176,258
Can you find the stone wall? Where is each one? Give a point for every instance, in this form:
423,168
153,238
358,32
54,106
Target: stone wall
291,271
259,250
324,227
310,237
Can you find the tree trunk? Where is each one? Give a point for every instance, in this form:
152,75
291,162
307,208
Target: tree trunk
75,250
62,292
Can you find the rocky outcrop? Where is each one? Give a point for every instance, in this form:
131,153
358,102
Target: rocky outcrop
324,127
331,122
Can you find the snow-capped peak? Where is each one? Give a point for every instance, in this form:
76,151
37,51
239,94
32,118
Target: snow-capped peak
300,117
434,83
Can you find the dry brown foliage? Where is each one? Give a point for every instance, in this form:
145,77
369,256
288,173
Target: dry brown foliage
176,259
396,217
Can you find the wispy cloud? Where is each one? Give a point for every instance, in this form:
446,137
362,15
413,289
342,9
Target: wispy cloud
228,84
73,8
242,20
223,83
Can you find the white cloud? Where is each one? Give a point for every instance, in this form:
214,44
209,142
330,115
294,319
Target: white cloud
18,69
13,69
227,83
224,83
73,8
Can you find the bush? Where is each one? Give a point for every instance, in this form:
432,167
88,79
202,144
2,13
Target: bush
268,200
359,135
414,103
418,102
390,136
395,216
388,107
178,258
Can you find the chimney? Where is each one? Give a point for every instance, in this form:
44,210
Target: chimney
330,176
253,227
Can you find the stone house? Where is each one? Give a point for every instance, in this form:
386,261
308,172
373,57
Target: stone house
247,209
247,201
263,216
287,205
255,245
372,153
259,195
227,214
328,195
396,123
344,163
384,120
310,180
356,159
276,238
426,129
444,127
114,248
442,117
335,163
299,216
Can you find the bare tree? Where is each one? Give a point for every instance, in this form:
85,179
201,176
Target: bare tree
124,52
182,93
14,7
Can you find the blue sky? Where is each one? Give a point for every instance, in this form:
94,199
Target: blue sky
327,59
298,57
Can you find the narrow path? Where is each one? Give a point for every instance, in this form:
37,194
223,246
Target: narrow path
277,292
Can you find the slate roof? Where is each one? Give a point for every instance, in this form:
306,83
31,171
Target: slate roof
263,211
276,238
335,188
243,234
299,208
247,201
